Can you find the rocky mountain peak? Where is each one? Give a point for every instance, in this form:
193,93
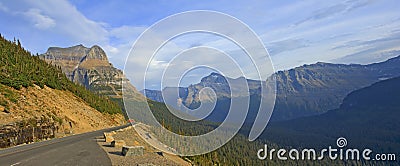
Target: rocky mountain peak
89,67
70,51
96,52
214,78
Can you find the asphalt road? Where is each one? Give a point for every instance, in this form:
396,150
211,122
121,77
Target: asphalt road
80,149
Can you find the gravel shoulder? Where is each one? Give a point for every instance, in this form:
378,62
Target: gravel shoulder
151,155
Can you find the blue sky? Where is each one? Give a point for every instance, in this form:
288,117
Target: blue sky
294,32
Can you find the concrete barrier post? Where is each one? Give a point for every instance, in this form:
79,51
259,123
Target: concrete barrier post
132,150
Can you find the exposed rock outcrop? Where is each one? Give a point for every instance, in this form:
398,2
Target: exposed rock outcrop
90,67
27,131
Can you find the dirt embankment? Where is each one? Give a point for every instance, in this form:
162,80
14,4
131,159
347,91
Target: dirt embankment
70,114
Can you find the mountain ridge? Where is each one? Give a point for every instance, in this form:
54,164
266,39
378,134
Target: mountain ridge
302,91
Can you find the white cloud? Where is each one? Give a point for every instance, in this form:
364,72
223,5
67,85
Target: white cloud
70,22
126,33
59,18
120,42
112,50
40,21
62,20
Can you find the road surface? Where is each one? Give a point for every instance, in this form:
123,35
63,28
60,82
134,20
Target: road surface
81,149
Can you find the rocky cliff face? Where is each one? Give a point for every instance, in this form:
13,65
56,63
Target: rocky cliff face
89,67
302,91
317,88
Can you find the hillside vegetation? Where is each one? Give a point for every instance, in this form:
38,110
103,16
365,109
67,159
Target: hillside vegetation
19,68
238,151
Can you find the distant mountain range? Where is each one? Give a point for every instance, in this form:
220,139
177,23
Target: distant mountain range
367,118
303,91
90,67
